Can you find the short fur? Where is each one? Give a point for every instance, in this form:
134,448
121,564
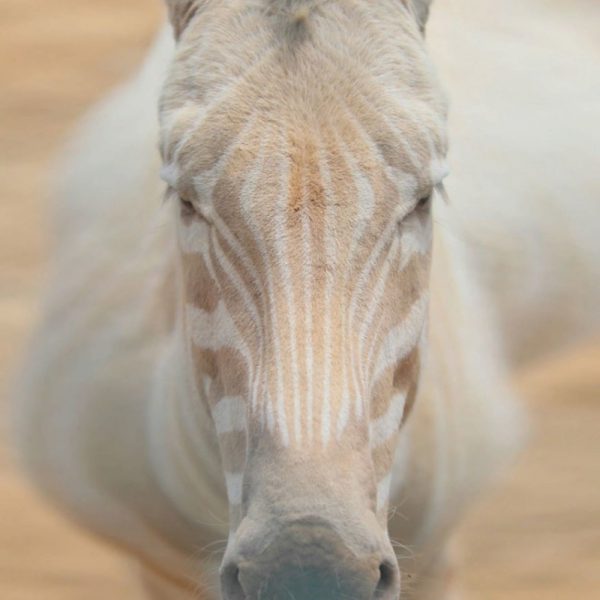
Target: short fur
104,422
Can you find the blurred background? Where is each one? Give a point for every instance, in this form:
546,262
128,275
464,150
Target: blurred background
536,536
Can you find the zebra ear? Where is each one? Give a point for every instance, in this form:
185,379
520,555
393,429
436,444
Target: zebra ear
420,9
181,12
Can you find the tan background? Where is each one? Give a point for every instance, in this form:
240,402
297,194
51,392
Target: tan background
536,537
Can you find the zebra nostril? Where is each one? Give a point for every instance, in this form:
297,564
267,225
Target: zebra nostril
387,584
230,582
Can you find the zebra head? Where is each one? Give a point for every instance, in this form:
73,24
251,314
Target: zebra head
302,143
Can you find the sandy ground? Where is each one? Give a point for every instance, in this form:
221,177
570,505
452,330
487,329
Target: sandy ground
536,537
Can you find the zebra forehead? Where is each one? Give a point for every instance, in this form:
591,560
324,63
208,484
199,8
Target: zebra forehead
358,171
360,52
410,140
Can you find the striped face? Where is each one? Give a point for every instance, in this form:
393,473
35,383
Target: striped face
302,164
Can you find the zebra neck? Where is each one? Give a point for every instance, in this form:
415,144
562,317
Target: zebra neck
184,450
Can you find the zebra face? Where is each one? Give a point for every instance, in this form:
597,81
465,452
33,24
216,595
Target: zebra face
302,165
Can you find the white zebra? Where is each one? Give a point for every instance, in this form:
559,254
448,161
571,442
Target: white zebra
276,356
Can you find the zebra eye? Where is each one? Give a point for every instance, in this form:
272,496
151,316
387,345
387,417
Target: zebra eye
187,208
419,209
424,202
201,211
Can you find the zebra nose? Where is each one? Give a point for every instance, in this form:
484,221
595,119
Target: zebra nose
309,563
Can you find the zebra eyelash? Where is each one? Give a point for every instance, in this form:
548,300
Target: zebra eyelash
422,204
425,201
440,189
192,209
